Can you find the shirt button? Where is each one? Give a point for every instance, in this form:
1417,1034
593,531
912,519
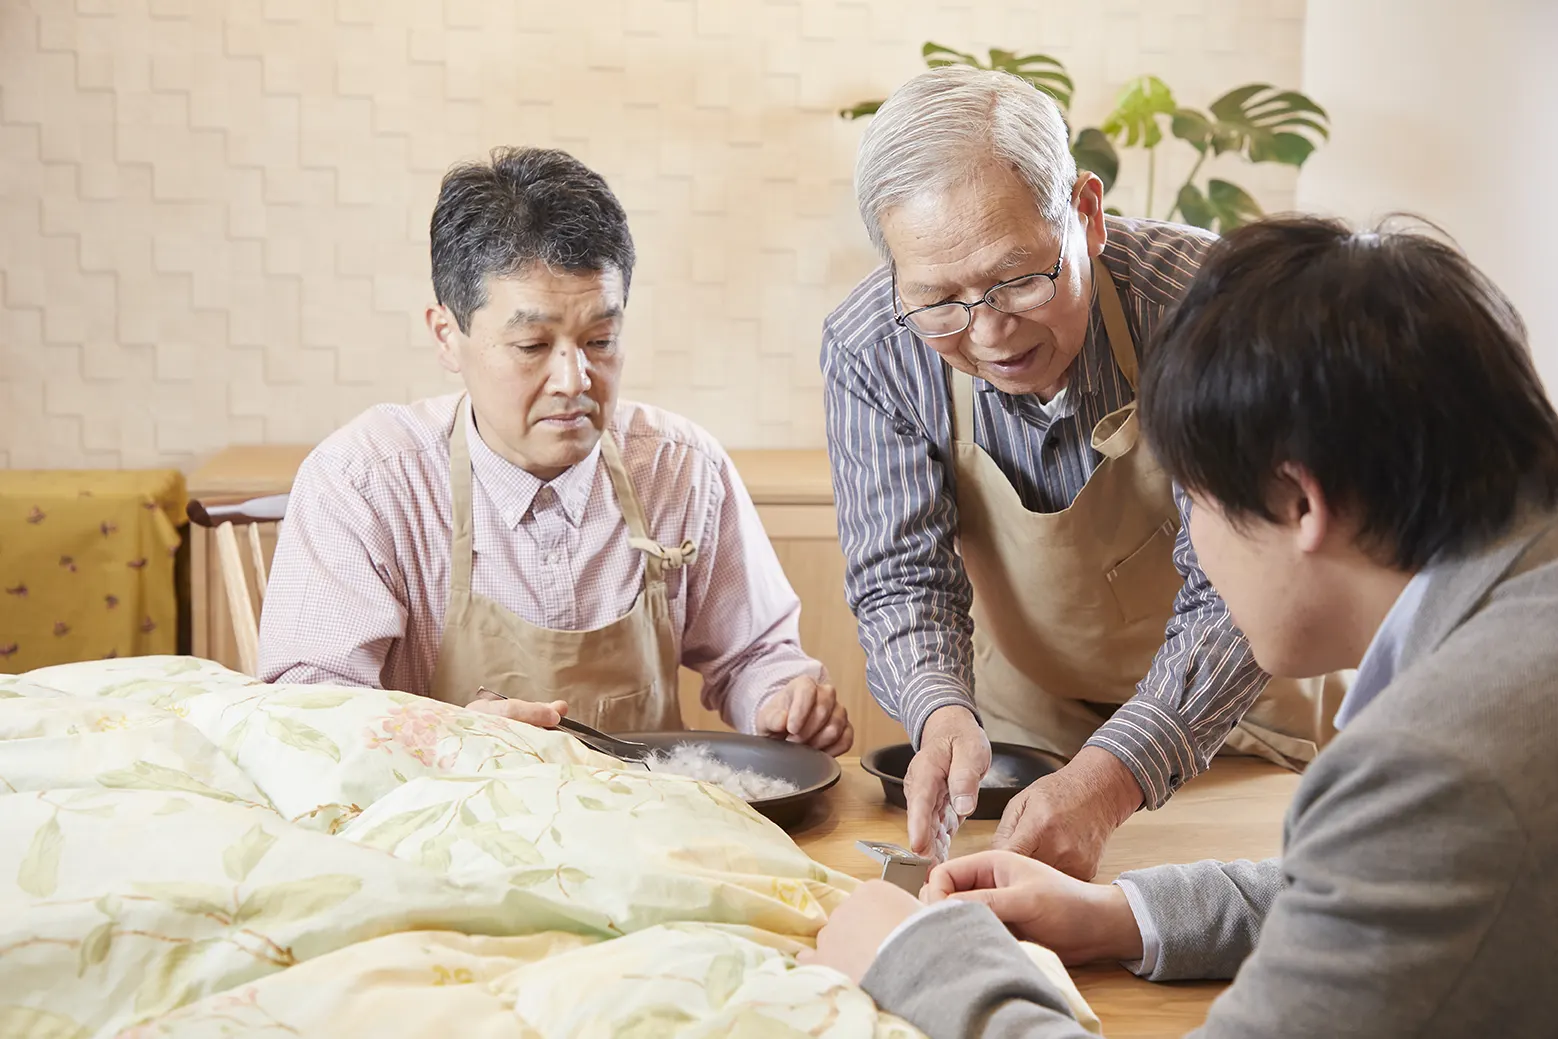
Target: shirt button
1175,781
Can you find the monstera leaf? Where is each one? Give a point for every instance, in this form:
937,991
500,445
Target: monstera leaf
1258,120
1224,207
1095,152
936,55
864,108
1041,71
1136,113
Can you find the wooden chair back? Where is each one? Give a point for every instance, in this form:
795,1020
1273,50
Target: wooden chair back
224,519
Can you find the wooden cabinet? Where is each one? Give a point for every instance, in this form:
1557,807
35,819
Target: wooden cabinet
794,498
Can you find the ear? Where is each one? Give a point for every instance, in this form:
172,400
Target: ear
1301,507
1088,197
447,337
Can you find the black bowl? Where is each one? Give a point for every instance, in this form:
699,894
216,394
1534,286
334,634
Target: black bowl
1025,763
810,769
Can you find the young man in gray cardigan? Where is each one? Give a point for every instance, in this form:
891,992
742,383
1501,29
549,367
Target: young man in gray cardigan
1374,469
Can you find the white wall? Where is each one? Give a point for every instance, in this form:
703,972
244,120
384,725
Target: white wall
1448,109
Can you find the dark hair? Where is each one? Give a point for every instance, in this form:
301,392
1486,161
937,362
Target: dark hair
1384,364
523,206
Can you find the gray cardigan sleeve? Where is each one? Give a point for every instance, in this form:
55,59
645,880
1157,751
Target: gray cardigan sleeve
1395,890
1400,864
958,973
1207,915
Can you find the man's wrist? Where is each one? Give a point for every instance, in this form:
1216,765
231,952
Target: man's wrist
1155,743
1113,784
754,713
924,695
1117,934
916,724
947,714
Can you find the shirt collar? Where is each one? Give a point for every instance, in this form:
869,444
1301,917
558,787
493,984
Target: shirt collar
513,490
1383,657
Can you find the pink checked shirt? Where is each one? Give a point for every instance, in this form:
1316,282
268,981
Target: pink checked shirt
360,581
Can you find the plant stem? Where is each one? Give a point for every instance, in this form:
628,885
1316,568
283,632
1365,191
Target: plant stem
1152,175
1193,171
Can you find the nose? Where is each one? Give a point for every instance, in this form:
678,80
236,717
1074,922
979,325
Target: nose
988,327
569,374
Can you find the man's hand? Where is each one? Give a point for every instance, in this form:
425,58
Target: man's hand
807,711
541,715
1081,922
1065,818
849,940
942,785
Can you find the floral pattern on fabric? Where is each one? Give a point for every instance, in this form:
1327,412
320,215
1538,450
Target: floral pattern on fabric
185,851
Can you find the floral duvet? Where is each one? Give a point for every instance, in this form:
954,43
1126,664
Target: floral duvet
187,852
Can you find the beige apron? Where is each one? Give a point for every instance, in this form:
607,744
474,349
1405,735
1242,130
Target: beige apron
1070,607
620,677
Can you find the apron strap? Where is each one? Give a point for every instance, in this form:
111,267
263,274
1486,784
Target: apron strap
960,388
657,558
1120,342
671,558
460,546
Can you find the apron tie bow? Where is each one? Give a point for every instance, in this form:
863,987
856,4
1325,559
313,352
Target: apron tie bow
673,558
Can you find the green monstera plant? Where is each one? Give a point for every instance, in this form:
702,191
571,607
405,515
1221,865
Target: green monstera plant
1258,122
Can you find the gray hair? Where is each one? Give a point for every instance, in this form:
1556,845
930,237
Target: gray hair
936,128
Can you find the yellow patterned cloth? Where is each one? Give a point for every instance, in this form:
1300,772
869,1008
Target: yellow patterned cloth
86,564
188,852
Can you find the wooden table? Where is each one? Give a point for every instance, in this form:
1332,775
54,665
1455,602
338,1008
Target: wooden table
1234,810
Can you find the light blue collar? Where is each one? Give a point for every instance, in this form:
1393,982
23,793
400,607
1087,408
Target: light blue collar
1383,656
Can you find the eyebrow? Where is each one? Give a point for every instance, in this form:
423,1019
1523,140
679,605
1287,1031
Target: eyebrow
524,316
1018,257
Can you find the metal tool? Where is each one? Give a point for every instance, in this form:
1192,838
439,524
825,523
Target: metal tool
624,750
900,866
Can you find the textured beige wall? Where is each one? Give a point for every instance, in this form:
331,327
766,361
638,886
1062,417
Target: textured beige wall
213,214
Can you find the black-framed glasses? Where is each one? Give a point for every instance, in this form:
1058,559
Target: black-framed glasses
1014,296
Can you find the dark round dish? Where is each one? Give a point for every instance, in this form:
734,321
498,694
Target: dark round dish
810,769
1025,763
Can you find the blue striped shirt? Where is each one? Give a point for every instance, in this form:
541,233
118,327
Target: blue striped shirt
889,440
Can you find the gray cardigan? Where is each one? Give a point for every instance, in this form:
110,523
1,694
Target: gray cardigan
1418,890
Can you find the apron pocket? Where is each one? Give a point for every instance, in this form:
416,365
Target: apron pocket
1145,582
626,712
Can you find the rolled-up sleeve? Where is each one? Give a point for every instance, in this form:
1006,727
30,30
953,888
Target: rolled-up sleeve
1201,682
897,518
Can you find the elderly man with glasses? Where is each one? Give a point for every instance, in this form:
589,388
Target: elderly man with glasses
1017,559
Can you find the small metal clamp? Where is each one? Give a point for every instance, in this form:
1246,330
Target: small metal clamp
900,866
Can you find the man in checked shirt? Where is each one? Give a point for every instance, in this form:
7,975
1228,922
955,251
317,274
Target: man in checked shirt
1017,560
533,535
